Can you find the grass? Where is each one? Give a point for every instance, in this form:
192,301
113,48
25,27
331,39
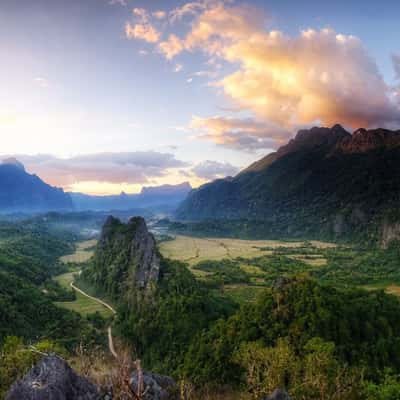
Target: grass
242,293
83,305
193,250
84,251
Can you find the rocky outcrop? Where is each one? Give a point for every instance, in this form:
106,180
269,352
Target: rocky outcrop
363,140
126,259
52,379
278,394
144,255
156,387
390,233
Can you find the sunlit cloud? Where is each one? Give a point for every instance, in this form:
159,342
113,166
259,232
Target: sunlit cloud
241,134
159,14
171,47
142,31
211,170
178,68
315,77
142,28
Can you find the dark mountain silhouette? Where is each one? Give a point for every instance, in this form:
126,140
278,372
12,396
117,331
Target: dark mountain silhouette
324,181
21,191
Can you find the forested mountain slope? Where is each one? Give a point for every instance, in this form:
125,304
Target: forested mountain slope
325,181
20,191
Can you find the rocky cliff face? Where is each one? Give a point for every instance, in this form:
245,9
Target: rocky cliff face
390,233
126,259
324,181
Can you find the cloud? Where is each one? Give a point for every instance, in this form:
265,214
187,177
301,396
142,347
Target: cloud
211,170
396,65
130,167
241,134
142,28
119,2
315,77
171,47
187,9
42,82
142,31
159,14
178,68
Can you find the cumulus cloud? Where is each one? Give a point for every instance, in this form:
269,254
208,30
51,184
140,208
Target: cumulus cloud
246,133
210,170
171,47
130,167
315,77
142,31
178,68
159,14
142,28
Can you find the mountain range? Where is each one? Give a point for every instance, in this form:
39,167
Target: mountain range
24,192
324,181
164,197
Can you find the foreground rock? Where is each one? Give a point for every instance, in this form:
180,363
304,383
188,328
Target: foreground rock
52,379
278,394
156,387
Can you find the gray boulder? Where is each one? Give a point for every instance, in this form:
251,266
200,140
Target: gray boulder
156,387
278,394
52,379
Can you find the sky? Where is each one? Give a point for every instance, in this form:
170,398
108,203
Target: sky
104,96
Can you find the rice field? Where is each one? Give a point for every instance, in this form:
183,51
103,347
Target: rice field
82,305
84,251
193,250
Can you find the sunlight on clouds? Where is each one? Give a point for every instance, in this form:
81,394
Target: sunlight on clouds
318,76
109,173
246,134
143,29
172,47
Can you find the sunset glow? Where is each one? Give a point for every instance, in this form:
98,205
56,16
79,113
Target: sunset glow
220,82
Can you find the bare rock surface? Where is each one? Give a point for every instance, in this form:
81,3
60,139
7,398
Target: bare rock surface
52,379
156,387
278,394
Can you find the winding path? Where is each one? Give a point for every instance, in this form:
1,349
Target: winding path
103,303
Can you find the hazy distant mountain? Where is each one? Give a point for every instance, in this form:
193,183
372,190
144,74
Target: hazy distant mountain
323,181
163,197
20,191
